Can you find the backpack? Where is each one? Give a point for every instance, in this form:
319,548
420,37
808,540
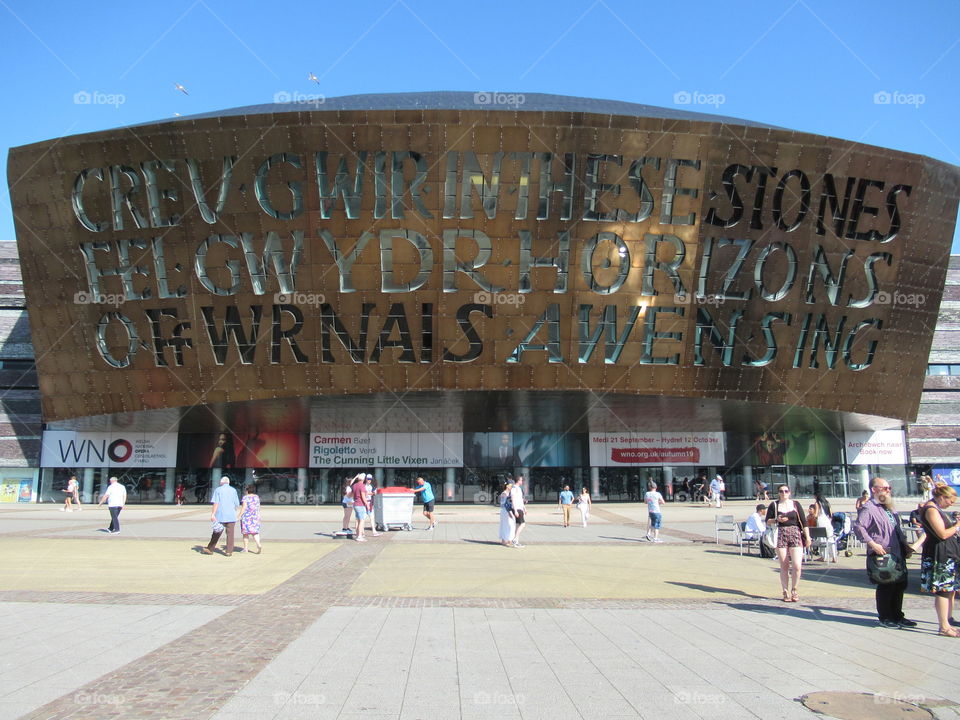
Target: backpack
508,504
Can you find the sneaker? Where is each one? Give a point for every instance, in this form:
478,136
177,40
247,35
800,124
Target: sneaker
516,544
657,540
647,536
890,624
906,623
361,539
430,527
955,623
70,510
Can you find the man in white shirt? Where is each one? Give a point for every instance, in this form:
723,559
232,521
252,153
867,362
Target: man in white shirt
116,497
756,523
717,488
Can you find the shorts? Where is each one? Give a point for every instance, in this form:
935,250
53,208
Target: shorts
518,517
360,512
428,506
789,536
655,520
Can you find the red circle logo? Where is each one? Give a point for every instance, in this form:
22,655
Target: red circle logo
120,451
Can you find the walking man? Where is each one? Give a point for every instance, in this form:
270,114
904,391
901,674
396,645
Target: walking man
716,489
224,511
116,497
428,498
654,500
566,504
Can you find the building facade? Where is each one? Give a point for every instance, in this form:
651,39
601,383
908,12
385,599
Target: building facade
580,291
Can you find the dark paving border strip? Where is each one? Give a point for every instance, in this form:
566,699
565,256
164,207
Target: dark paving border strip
114,598
195,675
823,604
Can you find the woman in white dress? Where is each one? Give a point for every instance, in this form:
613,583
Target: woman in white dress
583,505
825,520
507,524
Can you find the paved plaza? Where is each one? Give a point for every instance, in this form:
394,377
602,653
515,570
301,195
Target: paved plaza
580,623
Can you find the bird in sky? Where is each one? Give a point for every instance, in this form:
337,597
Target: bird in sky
181,88
313,77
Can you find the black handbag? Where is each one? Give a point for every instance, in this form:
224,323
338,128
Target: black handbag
885,569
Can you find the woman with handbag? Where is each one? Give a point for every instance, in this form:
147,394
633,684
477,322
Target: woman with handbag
792,537
940,561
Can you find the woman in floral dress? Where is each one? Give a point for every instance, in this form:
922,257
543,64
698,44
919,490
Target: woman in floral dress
250,518
938,564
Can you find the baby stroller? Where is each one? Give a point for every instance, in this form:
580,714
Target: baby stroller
842,527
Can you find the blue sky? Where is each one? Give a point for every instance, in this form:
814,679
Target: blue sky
815,66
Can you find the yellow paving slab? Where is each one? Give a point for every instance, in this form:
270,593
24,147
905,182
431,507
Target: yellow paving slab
594,572
115,564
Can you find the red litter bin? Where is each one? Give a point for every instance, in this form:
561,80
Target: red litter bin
393,508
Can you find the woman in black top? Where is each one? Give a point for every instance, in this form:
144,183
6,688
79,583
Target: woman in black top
938,564
792,537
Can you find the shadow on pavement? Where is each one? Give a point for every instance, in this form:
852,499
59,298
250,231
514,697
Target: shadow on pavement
814,612
712,589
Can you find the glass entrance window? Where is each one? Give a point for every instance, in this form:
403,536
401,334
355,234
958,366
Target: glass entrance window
146,485
274,485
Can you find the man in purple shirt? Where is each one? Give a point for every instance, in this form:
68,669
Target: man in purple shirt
879,529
